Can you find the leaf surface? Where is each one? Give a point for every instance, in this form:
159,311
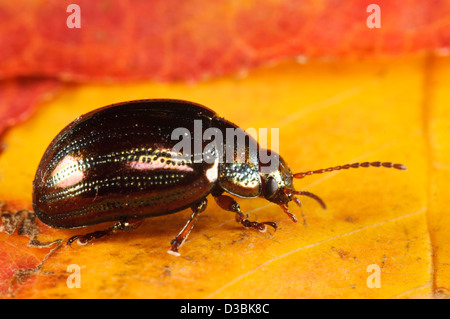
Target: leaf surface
327,114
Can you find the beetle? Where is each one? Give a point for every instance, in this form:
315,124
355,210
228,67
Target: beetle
120,163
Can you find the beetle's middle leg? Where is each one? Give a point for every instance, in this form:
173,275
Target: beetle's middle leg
121,225
184,233
229,204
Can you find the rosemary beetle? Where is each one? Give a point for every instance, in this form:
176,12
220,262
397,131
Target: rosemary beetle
121,163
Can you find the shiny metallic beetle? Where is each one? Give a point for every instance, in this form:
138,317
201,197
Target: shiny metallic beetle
117,163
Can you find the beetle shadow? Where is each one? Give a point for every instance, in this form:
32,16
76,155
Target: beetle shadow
157,229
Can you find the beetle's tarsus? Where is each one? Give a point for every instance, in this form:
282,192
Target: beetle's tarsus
84,239
285,208
72,239
122,225
173,253
262,227
174,249
229,204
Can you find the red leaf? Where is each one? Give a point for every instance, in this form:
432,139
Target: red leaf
18,98
170,40
190,40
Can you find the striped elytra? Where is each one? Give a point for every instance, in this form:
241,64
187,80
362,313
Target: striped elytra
117,163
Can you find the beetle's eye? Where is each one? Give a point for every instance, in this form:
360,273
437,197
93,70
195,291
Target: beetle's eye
271,187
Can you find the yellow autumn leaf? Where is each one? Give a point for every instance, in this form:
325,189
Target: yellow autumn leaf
327,114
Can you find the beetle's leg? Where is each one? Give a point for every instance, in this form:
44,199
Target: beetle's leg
184,233
285,209
229,204
121,225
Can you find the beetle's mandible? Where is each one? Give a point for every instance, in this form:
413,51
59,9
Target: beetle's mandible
118,163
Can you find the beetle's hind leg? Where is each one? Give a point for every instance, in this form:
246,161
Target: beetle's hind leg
121,225
184,233
229,204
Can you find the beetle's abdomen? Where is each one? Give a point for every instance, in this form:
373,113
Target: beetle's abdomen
118,163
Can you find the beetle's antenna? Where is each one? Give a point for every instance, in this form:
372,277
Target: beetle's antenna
303,193
354,165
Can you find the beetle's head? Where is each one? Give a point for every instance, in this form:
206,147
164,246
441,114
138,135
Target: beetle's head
277,182
278,187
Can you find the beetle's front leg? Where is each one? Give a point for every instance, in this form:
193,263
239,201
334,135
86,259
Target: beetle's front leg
122,225
184,233
229,204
